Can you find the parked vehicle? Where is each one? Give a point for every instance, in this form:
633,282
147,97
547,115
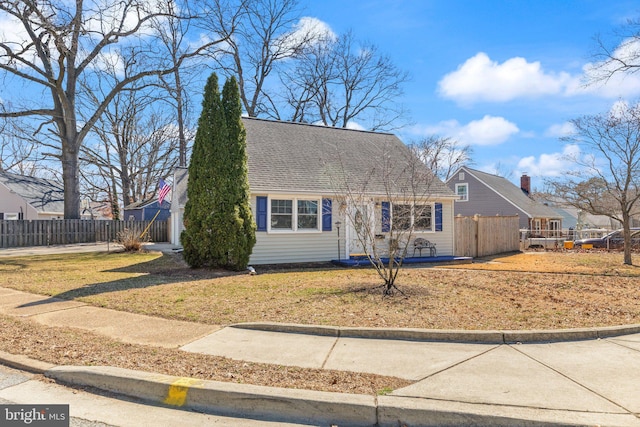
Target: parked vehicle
613,240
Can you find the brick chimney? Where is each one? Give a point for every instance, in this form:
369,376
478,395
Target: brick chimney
525,183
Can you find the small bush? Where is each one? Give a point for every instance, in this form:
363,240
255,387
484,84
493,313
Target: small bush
131,240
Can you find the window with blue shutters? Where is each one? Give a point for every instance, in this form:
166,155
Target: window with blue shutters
283,214
403,216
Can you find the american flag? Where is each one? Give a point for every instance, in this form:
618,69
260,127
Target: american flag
163,190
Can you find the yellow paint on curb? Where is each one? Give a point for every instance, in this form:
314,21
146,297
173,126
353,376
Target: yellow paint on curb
177,393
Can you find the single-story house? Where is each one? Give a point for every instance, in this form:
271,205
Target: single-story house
147,210
27,197
302,180
485,194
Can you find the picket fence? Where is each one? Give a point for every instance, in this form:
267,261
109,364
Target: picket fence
47,232
478,236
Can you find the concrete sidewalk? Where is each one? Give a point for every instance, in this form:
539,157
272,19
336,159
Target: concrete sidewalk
589,382
460,377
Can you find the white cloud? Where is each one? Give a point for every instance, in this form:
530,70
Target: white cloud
481,79
560,129
489,130
551,165
355,126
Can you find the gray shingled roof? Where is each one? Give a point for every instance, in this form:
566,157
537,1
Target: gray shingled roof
514,195
43,195
295,157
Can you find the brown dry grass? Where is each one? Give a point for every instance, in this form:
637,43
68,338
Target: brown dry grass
519,291
522,291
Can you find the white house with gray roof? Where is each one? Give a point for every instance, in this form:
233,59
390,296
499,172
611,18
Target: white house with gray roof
298,177
26,197
485,194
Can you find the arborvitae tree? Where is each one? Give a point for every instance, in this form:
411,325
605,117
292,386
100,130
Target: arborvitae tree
241,225
201,237
219,227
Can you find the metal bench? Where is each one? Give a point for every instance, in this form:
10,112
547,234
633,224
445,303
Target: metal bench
419,244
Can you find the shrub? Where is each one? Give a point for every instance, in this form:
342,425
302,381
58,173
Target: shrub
131,239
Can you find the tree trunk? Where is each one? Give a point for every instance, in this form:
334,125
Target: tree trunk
626,233
71,180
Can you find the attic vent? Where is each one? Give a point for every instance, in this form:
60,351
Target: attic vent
461,176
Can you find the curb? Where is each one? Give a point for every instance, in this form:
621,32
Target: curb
303,406
316,407
24,363
439,335
227,399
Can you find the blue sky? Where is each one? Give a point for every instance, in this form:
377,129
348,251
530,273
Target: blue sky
503,76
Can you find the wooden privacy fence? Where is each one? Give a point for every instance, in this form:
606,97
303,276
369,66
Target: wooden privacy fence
44,232
478,236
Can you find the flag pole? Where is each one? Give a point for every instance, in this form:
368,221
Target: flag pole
149,225
164,190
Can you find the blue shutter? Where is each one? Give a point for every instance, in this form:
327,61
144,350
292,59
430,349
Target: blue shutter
438,216
261,213
326,214
386,217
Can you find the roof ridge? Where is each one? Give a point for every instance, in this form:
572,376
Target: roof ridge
317,126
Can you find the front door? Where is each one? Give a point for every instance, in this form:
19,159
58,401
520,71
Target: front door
360,228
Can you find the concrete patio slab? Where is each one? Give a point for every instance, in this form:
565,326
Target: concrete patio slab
403,359
129,327
609,369
504,376
307,351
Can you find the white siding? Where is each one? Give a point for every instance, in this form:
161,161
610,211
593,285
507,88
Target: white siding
278,248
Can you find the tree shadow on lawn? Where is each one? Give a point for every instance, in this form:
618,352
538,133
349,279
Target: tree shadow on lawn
164,270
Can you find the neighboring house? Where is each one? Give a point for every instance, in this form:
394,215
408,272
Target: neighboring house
25,197
486,194
575,219
294,175
147,210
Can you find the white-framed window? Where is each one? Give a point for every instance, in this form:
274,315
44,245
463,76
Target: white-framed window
10,216
462,190
281,214
292,214
404,216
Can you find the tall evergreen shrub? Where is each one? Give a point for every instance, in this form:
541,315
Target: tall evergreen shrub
219,228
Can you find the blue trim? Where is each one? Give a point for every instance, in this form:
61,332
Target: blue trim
386,217
326,215
438,216
261,213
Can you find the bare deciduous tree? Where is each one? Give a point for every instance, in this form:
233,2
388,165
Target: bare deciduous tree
16,154
621,56
607,181
340,81
261,36
387,207
57,44
138,144
442,155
